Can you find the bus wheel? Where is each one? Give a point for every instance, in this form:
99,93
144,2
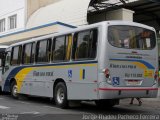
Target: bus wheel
14,91
60,95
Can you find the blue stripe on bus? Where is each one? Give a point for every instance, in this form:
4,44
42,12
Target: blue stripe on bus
10,76
13,73
141,61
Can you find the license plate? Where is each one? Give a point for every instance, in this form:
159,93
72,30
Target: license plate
133,82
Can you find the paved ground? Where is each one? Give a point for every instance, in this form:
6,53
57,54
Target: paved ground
152,103
159,93
40,108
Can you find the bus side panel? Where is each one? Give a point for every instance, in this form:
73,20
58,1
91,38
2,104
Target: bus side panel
80,79
83,87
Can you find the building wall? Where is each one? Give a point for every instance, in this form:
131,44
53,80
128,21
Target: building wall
33,5
120,14
9,8
73,12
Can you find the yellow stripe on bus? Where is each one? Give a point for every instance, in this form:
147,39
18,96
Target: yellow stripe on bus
81,74
69,47
140,65
21,75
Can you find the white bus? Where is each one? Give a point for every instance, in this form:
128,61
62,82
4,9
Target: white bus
102,62
2,50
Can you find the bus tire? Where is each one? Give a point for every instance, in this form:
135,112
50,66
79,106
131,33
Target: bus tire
60,95
14,91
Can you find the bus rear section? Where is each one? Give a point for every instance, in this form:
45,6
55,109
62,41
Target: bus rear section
130,66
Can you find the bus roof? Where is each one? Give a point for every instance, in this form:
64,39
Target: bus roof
113,22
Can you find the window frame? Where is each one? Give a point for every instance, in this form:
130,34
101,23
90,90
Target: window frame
10,26
2,25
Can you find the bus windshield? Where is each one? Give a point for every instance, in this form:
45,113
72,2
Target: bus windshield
131,37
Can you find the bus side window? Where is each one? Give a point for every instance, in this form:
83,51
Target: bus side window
33,53
16,55
8,59
26,59
93,43
42,50
61,48
85,45
132,42
68,46
49,43
74,46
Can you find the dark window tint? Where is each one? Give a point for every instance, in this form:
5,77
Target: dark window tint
43,50
85,45
16,55
131,37
28,53
62,48
33,53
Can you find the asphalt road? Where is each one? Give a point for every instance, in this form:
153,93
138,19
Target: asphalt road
42,108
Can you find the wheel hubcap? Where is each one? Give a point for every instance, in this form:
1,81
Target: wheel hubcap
14,90
60,95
